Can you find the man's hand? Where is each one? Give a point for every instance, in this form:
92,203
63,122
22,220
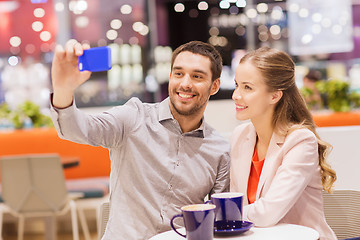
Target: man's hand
65,74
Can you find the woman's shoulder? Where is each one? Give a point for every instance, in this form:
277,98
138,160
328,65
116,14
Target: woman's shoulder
300,134
242,130
243,127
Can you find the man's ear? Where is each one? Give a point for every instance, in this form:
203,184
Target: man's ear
276,96
215,86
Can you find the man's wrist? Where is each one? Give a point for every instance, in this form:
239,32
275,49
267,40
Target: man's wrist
61,101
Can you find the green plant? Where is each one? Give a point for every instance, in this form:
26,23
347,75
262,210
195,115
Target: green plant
23,112
355,99
337,93
311,100
4,110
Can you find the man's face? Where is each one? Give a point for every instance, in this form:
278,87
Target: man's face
190,84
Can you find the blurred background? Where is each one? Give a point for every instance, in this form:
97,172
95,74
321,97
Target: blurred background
321,35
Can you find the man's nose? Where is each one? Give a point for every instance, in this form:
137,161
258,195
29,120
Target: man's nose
186,81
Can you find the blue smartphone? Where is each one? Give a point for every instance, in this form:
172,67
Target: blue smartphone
95,59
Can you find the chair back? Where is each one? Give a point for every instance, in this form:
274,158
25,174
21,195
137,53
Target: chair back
103,218
33,183
342,212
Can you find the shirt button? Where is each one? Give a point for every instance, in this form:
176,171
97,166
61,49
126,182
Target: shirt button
170,186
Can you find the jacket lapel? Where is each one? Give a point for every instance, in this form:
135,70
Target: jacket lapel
244,154
271,161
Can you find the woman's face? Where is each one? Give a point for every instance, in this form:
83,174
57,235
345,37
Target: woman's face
252,99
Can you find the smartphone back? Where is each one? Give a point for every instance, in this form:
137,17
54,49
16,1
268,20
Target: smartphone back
95,59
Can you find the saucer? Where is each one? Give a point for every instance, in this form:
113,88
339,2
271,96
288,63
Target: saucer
228,228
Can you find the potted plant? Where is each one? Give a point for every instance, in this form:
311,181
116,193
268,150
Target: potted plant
340,97
26,115
337,94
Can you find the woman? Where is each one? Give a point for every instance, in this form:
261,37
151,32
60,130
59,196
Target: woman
278,160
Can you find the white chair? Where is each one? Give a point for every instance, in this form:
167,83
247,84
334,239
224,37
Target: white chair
34,186
103,218
342,212
3,209
88,202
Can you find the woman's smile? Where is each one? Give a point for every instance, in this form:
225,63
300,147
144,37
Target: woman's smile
240,107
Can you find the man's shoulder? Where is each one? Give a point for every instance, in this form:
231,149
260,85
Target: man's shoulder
214,135
135,102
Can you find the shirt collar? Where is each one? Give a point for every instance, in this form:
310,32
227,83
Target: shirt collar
165,114
164,110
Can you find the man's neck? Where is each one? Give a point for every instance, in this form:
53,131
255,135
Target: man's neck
188,123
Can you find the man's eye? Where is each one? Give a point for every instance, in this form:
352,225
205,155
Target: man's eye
178,73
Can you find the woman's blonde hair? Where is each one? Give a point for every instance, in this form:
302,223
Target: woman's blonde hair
291,111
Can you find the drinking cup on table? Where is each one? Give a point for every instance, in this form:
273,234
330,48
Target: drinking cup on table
198,221
229,209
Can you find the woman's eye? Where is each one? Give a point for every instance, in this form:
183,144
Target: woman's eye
247,87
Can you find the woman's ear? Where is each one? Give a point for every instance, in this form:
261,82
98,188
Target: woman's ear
215,86
276,96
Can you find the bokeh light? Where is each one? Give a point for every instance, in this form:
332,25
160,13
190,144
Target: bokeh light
39,12
179,7
126,9
15,41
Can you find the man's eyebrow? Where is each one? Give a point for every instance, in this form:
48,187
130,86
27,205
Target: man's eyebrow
195,70
201,71
177,68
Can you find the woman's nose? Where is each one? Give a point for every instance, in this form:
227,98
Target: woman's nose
236,94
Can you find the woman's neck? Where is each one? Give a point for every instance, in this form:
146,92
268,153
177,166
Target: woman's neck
264,131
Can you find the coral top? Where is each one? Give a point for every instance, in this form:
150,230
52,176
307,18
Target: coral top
255,172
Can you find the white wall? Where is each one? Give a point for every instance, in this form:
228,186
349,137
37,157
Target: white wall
345,156
221,115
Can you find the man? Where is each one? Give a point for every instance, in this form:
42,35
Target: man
163,155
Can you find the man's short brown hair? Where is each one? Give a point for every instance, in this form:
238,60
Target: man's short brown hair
204,49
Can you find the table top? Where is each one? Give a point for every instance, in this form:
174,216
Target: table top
281,231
